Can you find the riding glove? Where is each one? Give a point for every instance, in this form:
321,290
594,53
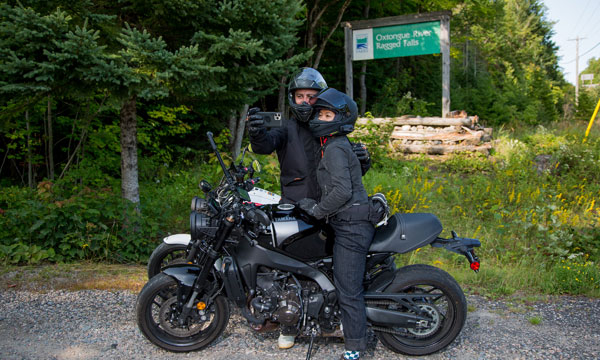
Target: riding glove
308,205
255,122
361,152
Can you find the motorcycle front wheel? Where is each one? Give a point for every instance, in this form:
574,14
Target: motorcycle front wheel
447,310
165,255
157,318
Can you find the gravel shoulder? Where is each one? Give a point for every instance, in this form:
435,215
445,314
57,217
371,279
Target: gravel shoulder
99,324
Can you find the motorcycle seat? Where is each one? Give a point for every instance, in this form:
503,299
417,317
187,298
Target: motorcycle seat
406,232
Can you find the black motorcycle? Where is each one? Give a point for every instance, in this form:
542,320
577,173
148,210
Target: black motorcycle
275,263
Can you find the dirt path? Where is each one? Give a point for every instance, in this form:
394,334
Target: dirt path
95,324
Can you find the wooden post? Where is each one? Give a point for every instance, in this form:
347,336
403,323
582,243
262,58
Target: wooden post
445,48
348,59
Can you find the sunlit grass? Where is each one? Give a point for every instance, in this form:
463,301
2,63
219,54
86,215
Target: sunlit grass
75,276
530,221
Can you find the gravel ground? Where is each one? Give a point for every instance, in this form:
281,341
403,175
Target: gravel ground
101,325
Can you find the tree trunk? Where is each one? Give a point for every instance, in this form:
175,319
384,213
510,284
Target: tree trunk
363,71
45,140
311,21
129,162
240,129
333,28
29,165
282,95
50,142
237,125
314,15
79,149
441,149
4,160
363,88
425,121
283,86
232,126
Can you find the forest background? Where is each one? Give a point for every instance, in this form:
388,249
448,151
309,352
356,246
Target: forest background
104,107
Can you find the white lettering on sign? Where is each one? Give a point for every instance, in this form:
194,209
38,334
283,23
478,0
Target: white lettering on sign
398,37
421,33
411,42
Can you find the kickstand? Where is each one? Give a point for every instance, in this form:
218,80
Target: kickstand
310,346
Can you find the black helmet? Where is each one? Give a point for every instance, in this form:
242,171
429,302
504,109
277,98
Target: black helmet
342,105
306,78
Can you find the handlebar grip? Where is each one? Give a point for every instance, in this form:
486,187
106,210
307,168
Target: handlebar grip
209,134
249,184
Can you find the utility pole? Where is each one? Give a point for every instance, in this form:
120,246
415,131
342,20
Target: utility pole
576,68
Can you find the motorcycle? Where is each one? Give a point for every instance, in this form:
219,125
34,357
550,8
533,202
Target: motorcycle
275,263
175,248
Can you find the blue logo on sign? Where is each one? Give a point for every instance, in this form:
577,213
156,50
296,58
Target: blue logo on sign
362,44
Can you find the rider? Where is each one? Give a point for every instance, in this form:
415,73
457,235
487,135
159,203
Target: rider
296,148
344,203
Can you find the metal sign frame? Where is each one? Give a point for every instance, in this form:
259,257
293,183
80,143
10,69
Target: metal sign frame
444,38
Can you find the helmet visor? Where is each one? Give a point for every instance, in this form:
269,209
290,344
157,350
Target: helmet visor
330,98
307,78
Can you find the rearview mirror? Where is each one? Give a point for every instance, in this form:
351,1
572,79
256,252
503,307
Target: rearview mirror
256,166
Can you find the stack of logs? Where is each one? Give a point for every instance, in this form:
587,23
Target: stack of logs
436,135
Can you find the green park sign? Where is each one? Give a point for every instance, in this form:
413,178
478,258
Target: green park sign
395,41
395,36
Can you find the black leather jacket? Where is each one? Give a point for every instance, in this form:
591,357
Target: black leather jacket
340,178
298,154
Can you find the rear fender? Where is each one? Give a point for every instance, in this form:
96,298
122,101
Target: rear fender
461,246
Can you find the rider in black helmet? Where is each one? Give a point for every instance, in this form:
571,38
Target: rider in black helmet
344,202
296,148
307,78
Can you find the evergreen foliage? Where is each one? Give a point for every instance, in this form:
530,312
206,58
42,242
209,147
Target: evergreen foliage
180,68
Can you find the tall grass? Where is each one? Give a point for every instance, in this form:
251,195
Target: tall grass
534,204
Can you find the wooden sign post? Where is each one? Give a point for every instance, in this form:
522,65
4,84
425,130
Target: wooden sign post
406,35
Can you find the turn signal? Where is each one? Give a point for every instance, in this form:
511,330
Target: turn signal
475,266
201,305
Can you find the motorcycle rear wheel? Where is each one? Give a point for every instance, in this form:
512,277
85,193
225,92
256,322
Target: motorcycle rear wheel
156,305
165,255
448,311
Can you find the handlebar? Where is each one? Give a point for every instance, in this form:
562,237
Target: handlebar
227,193
214,147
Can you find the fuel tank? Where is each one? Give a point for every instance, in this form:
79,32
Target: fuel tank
295,233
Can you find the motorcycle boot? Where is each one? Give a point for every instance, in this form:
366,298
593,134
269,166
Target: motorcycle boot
286,341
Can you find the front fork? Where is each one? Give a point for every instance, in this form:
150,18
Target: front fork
207,262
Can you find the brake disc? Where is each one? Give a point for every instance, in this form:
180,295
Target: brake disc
169,324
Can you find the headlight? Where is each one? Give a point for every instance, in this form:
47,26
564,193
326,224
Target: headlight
199,205
200,225
209,207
